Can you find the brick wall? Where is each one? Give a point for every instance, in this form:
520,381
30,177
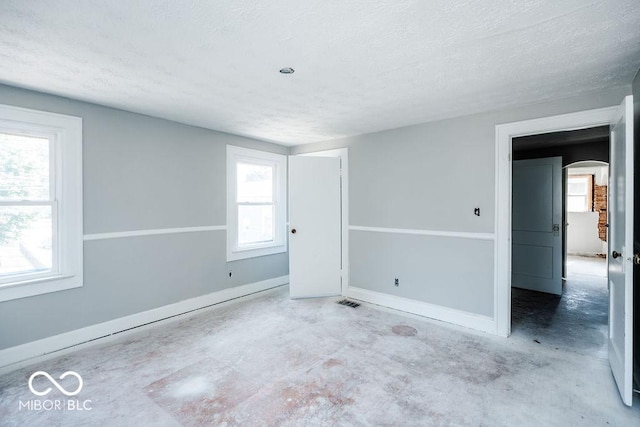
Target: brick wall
600,205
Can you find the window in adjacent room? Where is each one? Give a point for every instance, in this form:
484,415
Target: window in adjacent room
256,192
580,193
40,202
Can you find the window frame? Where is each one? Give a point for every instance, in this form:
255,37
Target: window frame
588,195
236,155
65,197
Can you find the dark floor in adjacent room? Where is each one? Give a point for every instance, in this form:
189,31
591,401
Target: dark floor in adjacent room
576,321
271,361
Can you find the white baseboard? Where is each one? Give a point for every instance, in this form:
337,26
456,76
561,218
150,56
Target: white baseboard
30,350
587,254
449,315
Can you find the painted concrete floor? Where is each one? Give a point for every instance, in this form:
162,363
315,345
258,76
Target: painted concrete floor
586,267
275,361
575,322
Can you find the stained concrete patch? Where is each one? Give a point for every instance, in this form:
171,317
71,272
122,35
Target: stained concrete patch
211,404
404,330
242,397
332,362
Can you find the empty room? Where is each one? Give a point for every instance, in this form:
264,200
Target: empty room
353,213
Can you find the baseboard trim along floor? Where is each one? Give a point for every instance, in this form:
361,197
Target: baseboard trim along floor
445,314
16,357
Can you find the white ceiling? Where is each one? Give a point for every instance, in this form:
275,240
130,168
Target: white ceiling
361,65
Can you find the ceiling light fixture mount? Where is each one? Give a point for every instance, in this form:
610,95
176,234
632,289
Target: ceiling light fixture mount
287,70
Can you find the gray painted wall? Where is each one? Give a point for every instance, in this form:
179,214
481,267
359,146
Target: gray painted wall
139,173
142,173
376,259
431,177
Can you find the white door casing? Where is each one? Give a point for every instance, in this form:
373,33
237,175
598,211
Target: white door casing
537,225
314,227
502,285
504,135
620,257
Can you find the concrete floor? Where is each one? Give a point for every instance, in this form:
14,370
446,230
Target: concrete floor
575,322
586,267
275,361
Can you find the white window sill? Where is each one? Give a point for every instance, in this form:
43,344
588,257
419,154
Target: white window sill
253,253
39,286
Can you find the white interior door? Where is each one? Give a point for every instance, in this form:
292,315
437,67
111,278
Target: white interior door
620,260
315,227
536,262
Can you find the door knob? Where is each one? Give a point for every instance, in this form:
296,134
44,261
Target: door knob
293,231
636,259
616,254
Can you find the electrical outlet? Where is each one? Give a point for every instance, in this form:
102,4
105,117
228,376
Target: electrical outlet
396,282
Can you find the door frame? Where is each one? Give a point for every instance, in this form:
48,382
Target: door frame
343,155
565,180
504,134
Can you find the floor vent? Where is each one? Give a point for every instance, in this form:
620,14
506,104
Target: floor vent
348,303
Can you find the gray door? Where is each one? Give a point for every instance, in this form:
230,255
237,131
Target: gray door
536,262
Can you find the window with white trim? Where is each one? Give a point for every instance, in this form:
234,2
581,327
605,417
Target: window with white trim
580,193
256,203
40,202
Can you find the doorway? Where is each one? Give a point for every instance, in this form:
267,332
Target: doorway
620,230
586,188
571,315
504,135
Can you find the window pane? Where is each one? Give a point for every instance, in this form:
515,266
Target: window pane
25,239
577,186
24,167
255,183
577,203
255,224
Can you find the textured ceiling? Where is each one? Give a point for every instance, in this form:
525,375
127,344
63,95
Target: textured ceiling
361,65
